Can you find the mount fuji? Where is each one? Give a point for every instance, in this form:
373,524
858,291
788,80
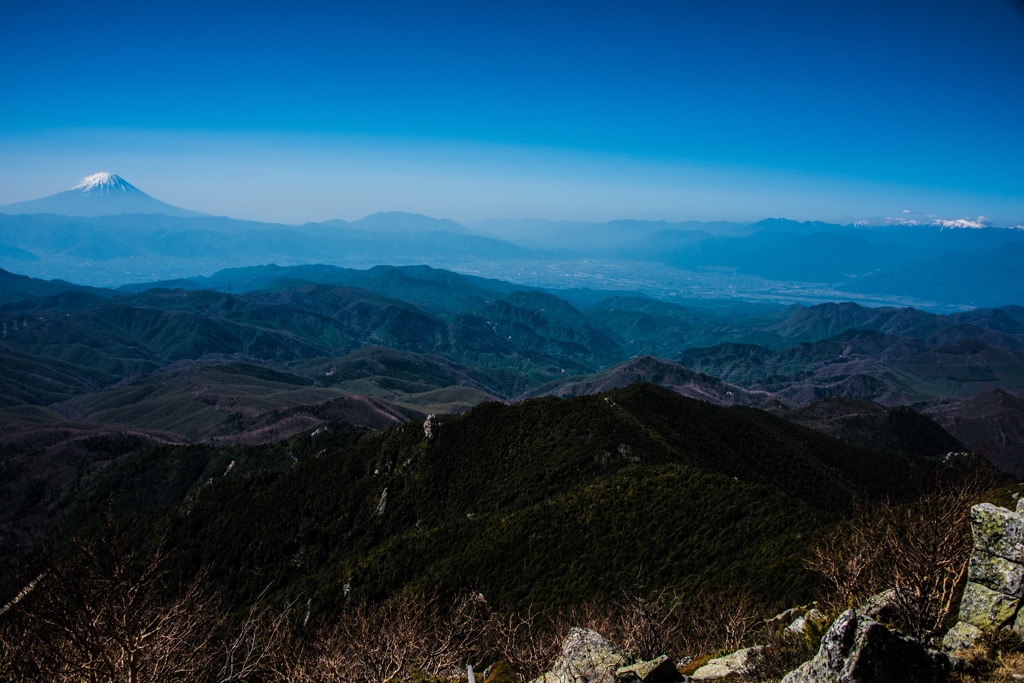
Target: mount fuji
100,194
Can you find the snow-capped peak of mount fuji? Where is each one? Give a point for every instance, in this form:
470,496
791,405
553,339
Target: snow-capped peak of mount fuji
99,194
104,183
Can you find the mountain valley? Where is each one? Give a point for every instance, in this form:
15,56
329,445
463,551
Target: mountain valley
345,437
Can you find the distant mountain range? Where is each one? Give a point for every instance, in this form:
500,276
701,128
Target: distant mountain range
246,354
100,194
106,232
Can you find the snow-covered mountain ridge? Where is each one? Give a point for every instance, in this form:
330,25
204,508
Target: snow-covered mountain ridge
105,183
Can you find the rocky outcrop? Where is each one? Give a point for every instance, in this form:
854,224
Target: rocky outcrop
430,426
796,619
857,649
586,657
811,616
992,597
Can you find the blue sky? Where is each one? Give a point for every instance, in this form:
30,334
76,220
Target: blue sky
679,110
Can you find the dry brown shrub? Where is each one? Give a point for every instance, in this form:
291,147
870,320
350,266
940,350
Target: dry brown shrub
261,647
920,550
100,611
646,626
649,626
849,560
714,623
529,641
409,634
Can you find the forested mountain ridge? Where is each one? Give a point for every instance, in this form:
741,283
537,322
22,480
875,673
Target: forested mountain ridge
448,500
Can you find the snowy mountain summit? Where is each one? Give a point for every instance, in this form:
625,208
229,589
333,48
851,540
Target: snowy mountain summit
105,183
99,194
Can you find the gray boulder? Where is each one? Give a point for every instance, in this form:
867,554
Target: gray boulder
996,573
733,664
961,636
998,531
812,616
986,608
882,607
995,576
784,618
659,670
857,649
586,657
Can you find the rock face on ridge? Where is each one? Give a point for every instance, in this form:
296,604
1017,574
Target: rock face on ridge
857,649
992,598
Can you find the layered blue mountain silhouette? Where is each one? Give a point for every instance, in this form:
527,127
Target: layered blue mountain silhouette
106,232
100,194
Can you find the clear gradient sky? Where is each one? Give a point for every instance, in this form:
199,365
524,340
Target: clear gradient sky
731,109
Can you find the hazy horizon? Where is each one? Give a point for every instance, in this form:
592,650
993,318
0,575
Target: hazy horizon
671,112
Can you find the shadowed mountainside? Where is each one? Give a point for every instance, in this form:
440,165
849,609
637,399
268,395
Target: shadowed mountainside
546,501
664,374
869,425
991,423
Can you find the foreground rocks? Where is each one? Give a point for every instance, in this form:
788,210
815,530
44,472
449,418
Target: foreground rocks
734,664
992,597
857,649
588,657
659,670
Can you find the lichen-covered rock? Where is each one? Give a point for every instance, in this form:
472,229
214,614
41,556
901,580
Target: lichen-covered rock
734,664
659,670
587,657
961,636
997,573
985,608
815,614
799,625
998,531
880,607
860,650
811,616
784,618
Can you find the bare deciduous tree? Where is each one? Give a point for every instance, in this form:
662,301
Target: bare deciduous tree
919,550
408,633
261,646
99,611
527,640
849,560
927,547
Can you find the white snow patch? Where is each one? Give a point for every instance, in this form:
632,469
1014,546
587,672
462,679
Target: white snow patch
979,222
104,183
